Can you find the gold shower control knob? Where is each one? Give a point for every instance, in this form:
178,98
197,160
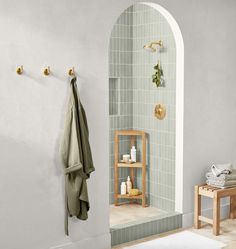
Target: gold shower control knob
160,111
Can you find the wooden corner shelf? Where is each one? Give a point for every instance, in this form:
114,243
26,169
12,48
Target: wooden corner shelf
132,166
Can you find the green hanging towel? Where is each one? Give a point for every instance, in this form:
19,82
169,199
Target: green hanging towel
76,158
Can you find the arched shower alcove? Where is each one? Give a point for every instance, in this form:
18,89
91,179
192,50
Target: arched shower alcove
132,100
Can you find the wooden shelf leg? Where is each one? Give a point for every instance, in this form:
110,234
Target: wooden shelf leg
197,208
233,207
116,186
144,170
216,215
132,178
116,172
143,188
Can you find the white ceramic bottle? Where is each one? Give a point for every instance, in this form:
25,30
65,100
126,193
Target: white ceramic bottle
133,154
123,188
128,184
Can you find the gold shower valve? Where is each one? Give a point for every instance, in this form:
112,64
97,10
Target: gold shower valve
160,111
46,71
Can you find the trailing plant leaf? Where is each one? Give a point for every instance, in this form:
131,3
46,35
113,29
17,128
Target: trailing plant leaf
157,78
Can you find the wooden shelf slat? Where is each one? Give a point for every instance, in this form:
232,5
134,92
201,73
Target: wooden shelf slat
205,219
129,132
130,197
130,165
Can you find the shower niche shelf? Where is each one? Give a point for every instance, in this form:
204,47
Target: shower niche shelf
132,166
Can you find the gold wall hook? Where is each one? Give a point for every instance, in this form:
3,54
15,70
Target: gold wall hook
46,71
71,72
20,70
160,111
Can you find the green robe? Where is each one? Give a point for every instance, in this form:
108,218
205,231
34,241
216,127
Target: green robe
76,158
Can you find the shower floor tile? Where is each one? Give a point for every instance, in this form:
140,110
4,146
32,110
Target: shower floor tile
127,213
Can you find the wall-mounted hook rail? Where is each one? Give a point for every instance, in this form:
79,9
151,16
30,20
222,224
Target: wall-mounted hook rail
20,70
46,71
71,72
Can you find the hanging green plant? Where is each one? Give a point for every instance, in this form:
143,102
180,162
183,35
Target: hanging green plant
157,78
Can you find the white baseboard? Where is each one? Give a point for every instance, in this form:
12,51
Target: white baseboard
187,219
100,242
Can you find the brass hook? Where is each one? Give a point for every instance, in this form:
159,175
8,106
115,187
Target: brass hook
46,71
71,72
20,70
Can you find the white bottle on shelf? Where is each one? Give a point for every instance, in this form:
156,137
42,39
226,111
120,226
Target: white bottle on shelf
133,154
123,188
128,184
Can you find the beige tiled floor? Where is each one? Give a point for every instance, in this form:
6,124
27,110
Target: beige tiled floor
131,212
227,236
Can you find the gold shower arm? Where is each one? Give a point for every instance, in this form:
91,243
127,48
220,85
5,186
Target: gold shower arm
160,43
152,46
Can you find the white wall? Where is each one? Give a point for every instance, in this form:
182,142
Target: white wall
209,124
76,33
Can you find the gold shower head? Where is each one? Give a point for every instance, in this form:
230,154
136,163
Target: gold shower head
151,47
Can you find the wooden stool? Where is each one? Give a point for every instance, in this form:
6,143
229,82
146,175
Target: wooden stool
215,194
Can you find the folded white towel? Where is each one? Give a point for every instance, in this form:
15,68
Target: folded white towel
221,183
231,176
218,169
219,186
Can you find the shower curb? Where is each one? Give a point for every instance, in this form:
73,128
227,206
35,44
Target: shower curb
144,228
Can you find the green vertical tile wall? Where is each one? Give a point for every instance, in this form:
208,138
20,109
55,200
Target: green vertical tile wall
149,25
132,67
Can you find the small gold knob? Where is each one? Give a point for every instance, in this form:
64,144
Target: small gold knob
46,71
71,72
20,70
160,111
